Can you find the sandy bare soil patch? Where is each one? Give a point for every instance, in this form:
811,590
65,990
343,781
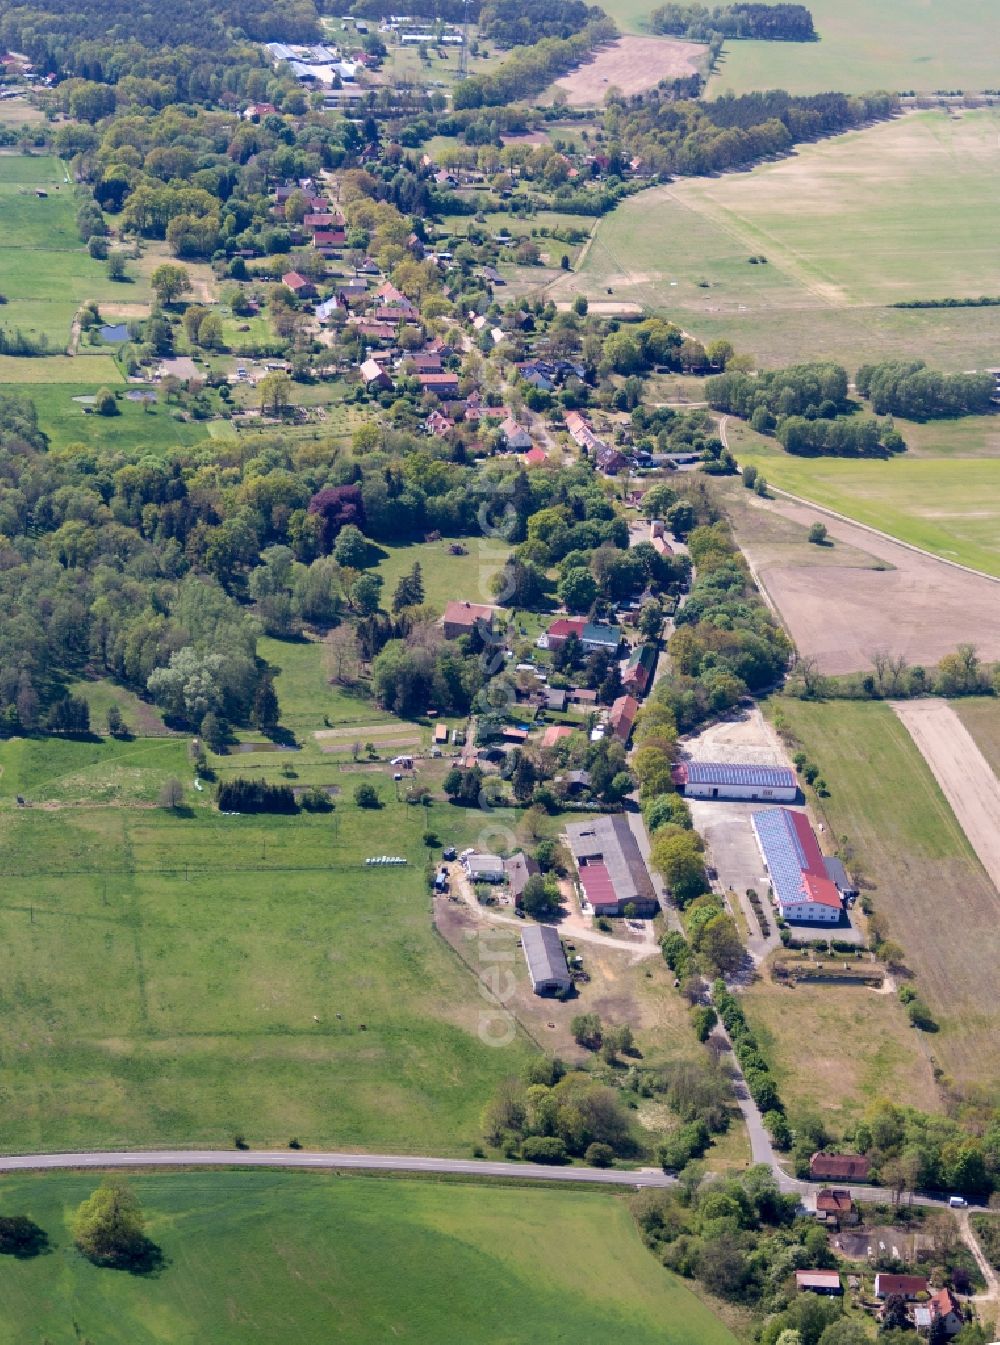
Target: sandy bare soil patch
918,606
963,773
605,308
364,732
631,64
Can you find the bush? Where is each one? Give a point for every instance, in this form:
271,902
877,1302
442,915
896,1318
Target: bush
599,1155
543,1149
366,796
255,796
316,800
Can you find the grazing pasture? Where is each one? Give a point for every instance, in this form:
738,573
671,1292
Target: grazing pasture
902,210
630,65
181,977
891,44
45,271
344,1260
149,426
914,860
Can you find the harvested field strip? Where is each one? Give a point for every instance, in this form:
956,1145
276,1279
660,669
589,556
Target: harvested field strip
963,773
911,855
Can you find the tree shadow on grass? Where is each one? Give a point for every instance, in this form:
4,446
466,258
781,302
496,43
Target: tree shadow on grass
22,1238
146,1259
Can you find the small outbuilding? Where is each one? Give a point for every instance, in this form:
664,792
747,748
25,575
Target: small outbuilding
543,952
818,1282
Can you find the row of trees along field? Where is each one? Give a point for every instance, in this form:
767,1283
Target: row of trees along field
779,23
807,408
513,23
673,134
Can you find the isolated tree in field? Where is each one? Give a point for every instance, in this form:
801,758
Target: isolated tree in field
172,794
210,334
21,1236
366,796
115,266
275,391
105,403
109,1226
169,282
342,656
116,724
818,534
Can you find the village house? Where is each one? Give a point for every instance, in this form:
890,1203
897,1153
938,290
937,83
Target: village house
462,618
484,868
519,868
561,629
374,376
836,1207
621,717
639,669
441,385
517,439
839,1167
299,285
945,1307
555,733
438,424
535,457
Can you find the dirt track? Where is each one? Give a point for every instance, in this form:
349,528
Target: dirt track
963,773
837,614
631,64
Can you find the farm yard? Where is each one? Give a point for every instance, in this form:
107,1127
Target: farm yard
630,65
330,1260
902,210
911,856
939,44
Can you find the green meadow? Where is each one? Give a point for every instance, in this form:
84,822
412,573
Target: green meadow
902,210
949,505
870,44
149,426
45,271
328,1260
182,977
445,576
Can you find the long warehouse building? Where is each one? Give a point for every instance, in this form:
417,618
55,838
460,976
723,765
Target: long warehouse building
802,886
729,780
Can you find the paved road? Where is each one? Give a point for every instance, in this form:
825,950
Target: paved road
290,1158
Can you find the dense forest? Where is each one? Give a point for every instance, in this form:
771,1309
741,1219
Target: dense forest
777,23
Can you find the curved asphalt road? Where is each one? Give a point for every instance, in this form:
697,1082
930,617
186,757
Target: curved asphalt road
295,1158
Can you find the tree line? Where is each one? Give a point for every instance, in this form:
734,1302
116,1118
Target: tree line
776,23
908,388
673,134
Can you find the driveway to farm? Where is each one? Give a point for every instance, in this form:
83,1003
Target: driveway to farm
266,1158
964,774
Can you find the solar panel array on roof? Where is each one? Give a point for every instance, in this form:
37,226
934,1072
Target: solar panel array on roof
794,859
730,773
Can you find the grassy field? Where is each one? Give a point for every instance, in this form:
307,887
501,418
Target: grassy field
138,424
861,1049
45,272
902,210
892,44
949,505
445,576
261,1257
189,976
914,859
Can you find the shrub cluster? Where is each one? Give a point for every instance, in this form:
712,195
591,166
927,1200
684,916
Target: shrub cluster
255,796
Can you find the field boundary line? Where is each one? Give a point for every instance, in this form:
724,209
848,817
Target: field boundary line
886,536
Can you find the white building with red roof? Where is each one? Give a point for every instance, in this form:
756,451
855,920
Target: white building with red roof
794,862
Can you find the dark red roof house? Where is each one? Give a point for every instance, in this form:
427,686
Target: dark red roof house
839,1167
299,285
907,1286
562,628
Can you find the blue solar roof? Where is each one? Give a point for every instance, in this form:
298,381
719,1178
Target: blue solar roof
725,773
783,853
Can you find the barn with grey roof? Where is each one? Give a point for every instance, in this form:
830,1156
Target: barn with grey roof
732,780
543,952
